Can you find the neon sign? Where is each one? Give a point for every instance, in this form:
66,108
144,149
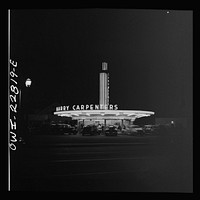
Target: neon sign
88,107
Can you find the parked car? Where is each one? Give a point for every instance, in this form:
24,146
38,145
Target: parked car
123,131
131,131
148,129
71,130
152,129
89,130
62,128
135,130
111,131
99,130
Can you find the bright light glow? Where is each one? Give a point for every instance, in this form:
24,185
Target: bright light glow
104,86
103,96
28,82
75,114
130,114
65,115
106,114
104,66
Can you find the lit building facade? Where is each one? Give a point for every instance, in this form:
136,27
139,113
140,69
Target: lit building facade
104,113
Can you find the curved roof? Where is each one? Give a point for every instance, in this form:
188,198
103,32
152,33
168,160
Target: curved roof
104,114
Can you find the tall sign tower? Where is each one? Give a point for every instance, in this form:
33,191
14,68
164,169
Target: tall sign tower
104,85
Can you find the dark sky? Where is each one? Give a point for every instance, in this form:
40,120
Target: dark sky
149,55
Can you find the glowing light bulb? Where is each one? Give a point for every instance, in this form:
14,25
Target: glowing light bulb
28,82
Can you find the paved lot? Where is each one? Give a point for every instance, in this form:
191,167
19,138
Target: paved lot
98,163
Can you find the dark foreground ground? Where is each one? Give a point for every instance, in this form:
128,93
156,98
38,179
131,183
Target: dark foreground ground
100,163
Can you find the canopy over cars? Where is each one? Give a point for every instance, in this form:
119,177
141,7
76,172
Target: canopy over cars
104,114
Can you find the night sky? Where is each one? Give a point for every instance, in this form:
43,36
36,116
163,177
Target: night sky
149,56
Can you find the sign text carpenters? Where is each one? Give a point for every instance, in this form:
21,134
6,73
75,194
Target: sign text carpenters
87,107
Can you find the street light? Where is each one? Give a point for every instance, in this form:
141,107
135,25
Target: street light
23,108
28,82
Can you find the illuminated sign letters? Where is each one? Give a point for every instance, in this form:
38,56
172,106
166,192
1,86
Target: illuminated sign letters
88,107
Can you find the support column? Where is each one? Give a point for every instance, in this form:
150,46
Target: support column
79,127
104,125
122,122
